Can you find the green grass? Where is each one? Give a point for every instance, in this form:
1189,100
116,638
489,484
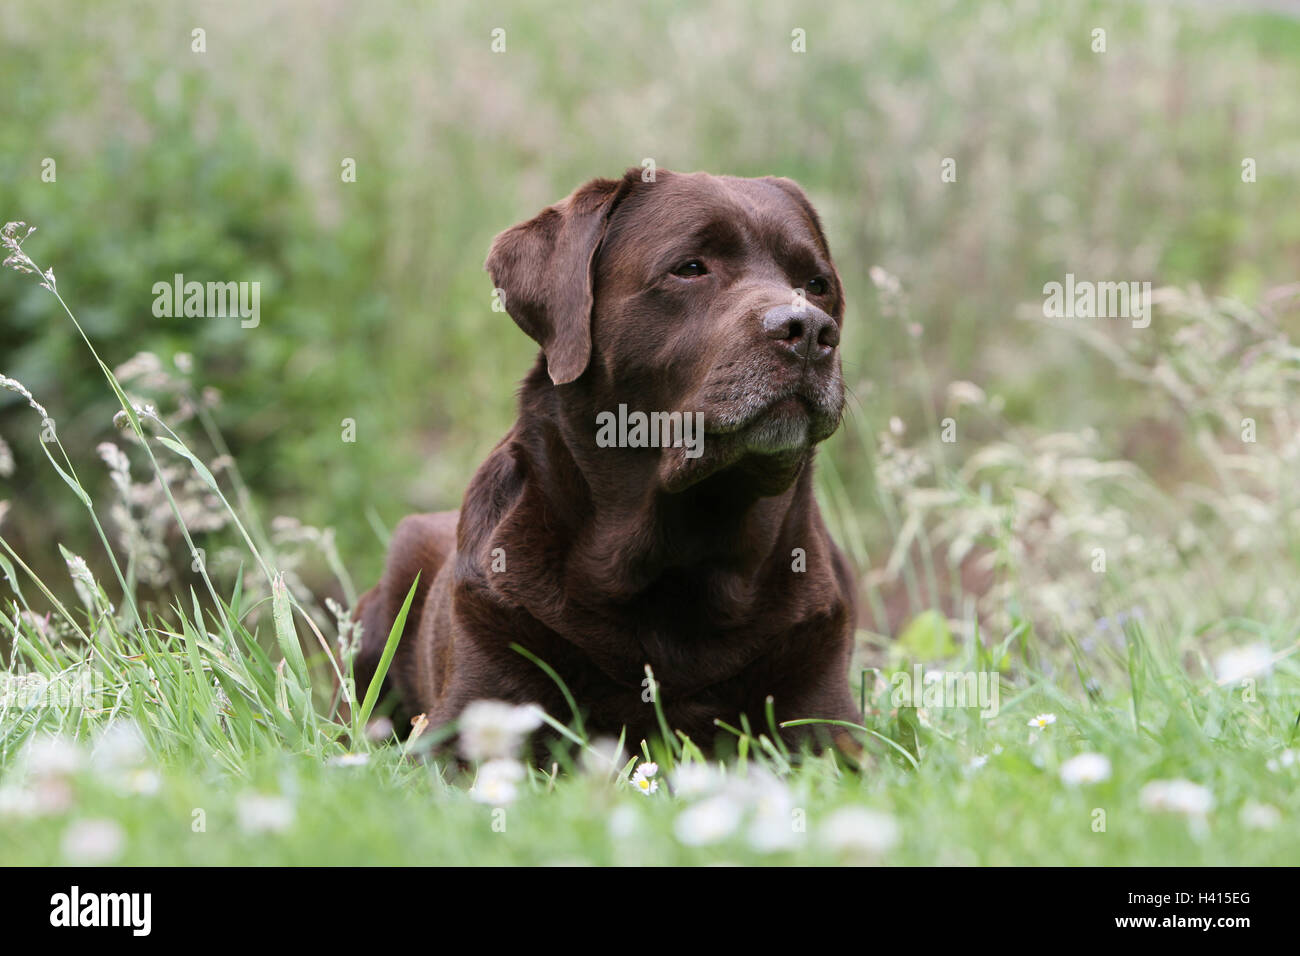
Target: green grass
237,695
225,165
221,629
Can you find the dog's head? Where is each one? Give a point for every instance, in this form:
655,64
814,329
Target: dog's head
688,294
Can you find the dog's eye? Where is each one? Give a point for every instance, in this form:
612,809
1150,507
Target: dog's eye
691,269
819,285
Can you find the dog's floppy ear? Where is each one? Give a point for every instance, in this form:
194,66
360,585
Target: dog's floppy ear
543,269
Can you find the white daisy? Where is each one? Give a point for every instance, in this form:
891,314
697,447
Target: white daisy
139,782
642,779
1042,721
349,760
494,730
709,821
1176,796
50,756
497,782
92,842
1241,662
1085,768
1260,816
690,780
263,813
774,826
1287,758
860,831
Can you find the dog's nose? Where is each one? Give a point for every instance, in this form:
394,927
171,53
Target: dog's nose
806,331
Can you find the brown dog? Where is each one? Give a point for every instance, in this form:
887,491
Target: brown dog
709,296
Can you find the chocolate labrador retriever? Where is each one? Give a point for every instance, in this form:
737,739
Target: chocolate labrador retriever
605,532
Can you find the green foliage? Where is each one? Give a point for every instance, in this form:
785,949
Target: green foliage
196,620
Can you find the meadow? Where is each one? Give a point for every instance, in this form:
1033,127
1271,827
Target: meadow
1101,513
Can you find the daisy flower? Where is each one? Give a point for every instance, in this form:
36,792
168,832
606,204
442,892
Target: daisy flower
1176,796
497,783
709,821
50,756
860,831
1260,816
1042,721
1242,662
494,730
690,780
349,760
1287,758
1085,768
262,813
643,780
93,841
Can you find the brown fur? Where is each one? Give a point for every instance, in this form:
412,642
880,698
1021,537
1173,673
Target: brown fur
621,557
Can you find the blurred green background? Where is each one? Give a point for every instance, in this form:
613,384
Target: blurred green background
225,166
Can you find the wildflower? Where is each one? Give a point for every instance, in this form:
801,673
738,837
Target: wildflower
710,821
1260,816
976,763
774,825
1242,662
1176,796
349,760
965,393
496,782
1286,759
860,831
18,802
643,780
884,281
691,780
263,813
92,842
494,730
52,757
772,833
140,782
1042,721
1085,768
